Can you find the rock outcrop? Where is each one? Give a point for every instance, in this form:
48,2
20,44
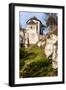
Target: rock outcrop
50,46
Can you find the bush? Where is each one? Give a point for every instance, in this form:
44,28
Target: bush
33,63
22,63
23,53
34,68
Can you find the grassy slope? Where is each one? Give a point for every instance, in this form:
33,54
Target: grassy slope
33,63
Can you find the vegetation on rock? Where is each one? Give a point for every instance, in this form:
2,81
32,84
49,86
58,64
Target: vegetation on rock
33,63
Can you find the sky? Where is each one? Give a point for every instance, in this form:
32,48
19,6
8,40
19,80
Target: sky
25,16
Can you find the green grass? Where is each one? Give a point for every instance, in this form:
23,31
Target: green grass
33,62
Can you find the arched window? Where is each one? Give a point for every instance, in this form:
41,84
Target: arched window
31,27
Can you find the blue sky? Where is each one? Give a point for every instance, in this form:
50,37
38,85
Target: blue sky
25,16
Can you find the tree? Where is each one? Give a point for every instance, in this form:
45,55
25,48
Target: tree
51,21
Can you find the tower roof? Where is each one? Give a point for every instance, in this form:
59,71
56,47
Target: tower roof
33,18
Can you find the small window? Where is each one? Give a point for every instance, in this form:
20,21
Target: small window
31,27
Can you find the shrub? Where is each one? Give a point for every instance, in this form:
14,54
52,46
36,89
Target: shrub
35,66
23,53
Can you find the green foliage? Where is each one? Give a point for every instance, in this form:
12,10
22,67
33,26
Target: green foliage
22,63
22,53
33,63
